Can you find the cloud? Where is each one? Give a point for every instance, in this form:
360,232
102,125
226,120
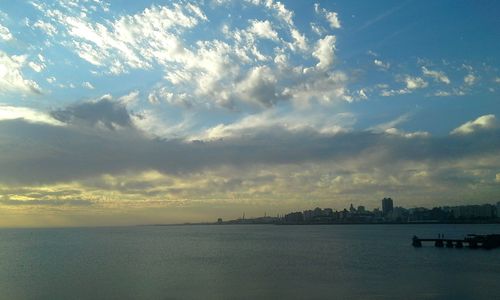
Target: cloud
130,98
37,67
5,33
381,64
263,29
259,86
436,75
258,56
27,114
103,113
88,85
331,17
317,29
76,202
11,76
90,145
316,121
46,27
131,41
482,123
398,132
325,51
413,83
470,79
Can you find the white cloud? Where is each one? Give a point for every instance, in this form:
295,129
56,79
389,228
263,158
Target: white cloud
481,123
413,83
331,17
381,64
131,41
453,92
130,99
27,114
213,70
391,92
324,52
263,29
437,75
317,29
165,95
88,85
300,40
46,27
316,121
11,77
316,87
470,79
5,33
398,132
37,67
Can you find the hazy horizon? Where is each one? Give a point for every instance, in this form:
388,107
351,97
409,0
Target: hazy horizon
141,112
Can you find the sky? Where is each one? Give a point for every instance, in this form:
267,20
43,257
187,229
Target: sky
138,112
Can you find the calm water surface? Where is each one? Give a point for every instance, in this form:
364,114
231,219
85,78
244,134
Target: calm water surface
245,262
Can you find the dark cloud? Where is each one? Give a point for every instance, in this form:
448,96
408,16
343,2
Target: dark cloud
102,112
38,153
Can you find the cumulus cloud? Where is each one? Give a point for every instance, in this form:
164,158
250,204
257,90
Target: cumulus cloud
263,29
436,75
130,98
413,83
259,86
11,76
325,51
482,123
256,61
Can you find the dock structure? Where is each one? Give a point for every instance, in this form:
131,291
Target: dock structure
473,241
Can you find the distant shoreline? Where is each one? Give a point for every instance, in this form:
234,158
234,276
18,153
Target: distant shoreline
306,224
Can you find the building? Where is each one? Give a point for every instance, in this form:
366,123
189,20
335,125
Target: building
485,211
387,206
328,212
295,217
498,209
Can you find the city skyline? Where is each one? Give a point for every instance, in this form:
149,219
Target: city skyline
489,212
137,112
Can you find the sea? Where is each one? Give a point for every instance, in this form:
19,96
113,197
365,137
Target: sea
246,262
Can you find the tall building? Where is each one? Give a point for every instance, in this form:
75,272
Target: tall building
387,206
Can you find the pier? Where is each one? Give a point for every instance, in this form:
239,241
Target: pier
473,241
